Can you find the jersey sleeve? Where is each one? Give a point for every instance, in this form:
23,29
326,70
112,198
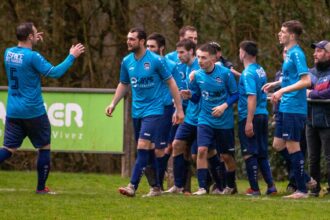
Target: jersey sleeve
163,70
47,69
300,61
124,77
231,83
250,84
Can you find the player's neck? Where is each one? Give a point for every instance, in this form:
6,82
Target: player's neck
25,44
210,69
140,53
191,61
291,44
248,61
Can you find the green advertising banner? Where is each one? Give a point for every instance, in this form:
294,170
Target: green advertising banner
78,120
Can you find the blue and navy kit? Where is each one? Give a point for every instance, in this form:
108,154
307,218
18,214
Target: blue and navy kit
24,68
172,67
193,109
146,77
173,56
294,66
214,89
250,83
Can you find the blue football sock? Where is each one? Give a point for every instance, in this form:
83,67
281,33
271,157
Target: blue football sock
179,170
142,160
4,154
252,172
167,157
297,160
202,176
186,171
286,156
161,168
265,171
231,179
215,170
43,167
223,174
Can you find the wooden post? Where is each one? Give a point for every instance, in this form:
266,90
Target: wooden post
128,159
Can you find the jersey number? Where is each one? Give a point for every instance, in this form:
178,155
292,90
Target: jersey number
13,78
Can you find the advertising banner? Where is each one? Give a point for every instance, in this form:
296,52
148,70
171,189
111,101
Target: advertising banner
78,120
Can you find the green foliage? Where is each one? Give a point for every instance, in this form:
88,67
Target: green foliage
91,196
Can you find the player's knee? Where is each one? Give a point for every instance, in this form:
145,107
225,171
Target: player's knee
229,161
177,148
194,157
246,157
159,152
202,153
144,144
46,147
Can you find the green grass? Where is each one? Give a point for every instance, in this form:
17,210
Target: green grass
94,196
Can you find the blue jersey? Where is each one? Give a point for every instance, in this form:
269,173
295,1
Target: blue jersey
192,109
250,83
173,56
214,89
294,66
24,68
146,77
172,67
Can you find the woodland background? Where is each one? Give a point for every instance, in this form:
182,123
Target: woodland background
102,26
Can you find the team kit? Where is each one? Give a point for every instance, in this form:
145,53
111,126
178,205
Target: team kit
182,106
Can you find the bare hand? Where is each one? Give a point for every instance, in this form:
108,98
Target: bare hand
77,50
178,117
219,110
109,110
267,87
39,36
307,92
249,129
276,97
192,76
185,94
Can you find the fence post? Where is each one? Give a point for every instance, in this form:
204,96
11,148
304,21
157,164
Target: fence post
128,159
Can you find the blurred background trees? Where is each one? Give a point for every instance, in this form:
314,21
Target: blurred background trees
102,26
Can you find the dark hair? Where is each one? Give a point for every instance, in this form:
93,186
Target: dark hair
142,35
294,27
160,39
208,48
215,45
250,47
187,44
184,29
23,30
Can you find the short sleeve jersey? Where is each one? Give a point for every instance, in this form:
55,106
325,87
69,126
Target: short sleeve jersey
172,67
24,68
250,83
214,89
146,77
173,56
294,66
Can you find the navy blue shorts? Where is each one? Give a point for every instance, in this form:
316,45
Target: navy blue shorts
164,128
186,132
223,140
194,147
258,144
36,129
289,126
146,128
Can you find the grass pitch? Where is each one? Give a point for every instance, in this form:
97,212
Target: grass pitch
94,196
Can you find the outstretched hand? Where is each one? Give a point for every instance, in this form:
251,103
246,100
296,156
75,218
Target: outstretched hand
77,50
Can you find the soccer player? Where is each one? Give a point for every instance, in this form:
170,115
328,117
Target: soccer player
186,32
293,106
253,119
217,89
26,114
318,127
222,61
185,135
163,146
144,71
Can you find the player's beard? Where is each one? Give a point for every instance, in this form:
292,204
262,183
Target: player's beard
322,65
134,49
